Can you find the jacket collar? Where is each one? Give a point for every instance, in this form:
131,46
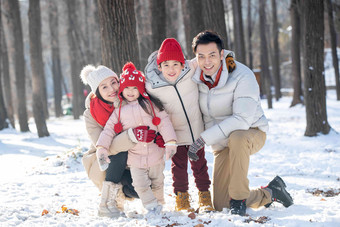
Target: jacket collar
224,75
154,76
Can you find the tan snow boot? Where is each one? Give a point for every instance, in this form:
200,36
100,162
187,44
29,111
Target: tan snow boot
107,206
205,204
182,202
120,198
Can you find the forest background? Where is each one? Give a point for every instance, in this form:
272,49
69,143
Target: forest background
46,43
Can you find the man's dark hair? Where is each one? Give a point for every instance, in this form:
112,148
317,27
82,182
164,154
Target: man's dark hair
206,37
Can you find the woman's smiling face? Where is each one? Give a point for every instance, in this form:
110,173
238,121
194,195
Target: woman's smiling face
108,89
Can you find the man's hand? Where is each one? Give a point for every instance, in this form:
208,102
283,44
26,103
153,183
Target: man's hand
196,146
103,158
144,134
159,140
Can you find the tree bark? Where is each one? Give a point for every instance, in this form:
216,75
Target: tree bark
14,24
7,91
3,114
158,23
38,85
78,98
264,54
238,31
173,19
295,52
56,68
315,89
118,33
143,30
250,31
276,52
193,22
213,17
334,47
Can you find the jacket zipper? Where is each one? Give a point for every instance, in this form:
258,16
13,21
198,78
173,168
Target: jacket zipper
185,112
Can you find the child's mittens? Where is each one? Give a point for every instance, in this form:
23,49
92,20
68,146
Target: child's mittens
170,151
103,158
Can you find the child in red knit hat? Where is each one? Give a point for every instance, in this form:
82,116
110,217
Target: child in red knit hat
169,78
146,159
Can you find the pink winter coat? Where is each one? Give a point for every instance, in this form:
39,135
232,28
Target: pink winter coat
143,155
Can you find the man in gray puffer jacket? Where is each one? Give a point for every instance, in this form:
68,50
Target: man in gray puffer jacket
235,126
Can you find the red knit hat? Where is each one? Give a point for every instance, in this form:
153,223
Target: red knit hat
170,50
131,77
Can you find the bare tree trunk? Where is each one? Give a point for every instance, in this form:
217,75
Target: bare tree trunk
96,39
334,47
86,32
3,114
276,53
143,29
213,17
158,24
238,31
264,54
56,68
172,18
227,10
7,91
14,24
37,67
295,52
315,89
193,22
78,98
250,31
118,32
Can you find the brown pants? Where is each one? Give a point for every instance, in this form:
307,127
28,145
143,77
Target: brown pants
231,170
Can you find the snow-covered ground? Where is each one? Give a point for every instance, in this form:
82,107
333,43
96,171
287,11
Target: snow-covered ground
45,174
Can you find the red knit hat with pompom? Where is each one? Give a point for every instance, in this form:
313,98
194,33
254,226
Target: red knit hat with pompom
170,50
131,77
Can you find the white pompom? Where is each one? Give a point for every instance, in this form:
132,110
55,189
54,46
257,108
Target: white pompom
85,72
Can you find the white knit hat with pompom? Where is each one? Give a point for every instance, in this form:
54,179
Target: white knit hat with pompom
94,76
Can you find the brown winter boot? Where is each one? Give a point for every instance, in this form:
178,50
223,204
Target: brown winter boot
108,205
182,202
205,204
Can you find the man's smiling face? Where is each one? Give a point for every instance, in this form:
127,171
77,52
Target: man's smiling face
209,58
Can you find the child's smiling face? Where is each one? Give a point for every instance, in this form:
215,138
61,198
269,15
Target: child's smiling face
131,93
171,69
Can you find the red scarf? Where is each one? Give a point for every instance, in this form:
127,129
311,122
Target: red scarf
229,60
216,81
100,110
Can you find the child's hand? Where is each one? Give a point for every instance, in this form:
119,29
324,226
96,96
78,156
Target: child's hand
103,158
144,134
170,151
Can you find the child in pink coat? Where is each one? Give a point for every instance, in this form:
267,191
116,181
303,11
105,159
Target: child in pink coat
146,159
